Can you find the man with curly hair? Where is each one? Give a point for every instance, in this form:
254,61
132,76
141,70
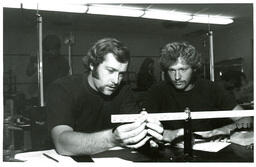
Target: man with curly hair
183,87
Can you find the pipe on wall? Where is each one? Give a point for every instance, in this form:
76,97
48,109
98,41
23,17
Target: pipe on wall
211,56
40,60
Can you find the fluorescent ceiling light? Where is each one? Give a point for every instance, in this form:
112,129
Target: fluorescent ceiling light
115,10
11,4
56,7
65,6
166,15
79,6
186,17
6,2
210,19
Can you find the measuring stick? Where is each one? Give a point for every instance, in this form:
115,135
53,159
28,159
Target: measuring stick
124,118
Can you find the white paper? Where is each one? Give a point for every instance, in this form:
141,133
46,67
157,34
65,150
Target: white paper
37,156
210,146
110,160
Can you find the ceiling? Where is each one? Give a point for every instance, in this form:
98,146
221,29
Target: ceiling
242,14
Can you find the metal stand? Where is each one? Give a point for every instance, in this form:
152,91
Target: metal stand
40,60
38,113
70,41
188,146
188,140
211,56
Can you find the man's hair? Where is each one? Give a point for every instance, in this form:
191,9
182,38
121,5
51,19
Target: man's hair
172,51
97,52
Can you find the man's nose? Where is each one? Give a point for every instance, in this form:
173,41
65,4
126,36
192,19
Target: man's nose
177,75
115,79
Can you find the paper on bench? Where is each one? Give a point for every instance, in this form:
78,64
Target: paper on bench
210,146
37,156
207,146
110,160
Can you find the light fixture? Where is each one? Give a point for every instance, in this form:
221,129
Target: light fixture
79,6
115,10
67,6
11,4
220,74
167,15
186,17
56,7
210,19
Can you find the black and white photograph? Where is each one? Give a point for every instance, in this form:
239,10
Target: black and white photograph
127,83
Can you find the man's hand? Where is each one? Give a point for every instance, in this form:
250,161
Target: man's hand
155,130
245,122
136,134
133,135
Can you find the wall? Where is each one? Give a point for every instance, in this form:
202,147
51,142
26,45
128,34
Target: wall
235,42
20,43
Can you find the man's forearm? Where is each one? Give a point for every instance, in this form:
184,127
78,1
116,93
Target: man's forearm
224,130
170,135
245,122
76,143
236,121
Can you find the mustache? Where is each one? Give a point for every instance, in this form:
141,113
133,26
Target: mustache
112,85
179,81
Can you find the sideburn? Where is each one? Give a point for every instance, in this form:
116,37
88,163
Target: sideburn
95,73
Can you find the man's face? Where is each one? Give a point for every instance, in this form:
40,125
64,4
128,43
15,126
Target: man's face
109,75
180,74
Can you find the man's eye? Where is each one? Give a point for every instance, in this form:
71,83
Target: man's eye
183,70
110,71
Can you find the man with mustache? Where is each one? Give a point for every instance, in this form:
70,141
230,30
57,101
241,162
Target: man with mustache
183,87
80,106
